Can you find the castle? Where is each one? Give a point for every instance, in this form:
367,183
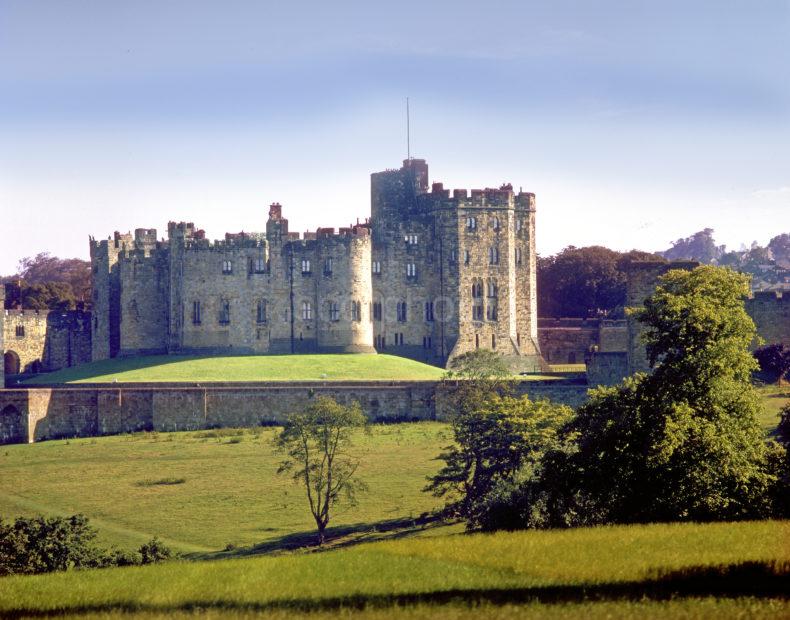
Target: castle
430,275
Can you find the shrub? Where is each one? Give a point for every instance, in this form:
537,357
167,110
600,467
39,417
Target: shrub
155,551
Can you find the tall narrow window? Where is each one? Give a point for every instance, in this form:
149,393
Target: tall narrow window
429,311
471,223
495,223
477,300
493,255
467,257
334,311
491,305
411,270
377,310
260,265
518,256
493,341
224,311
356,310
453,256
411,239
227,267
329,263
376,267
20,331
196,312
519,224
307,311
260,315
477,341
402,311
305,266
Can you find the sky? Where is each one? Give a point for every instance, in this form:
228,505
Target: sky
634,122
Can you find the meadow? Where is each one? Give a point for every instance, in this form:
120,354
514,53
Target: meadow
676,570
242,368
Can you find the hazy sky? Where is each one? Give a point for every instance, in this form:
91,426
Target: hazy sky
633,122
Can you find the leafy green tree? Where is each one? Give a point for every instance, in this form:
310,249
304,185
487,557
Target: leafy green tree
585,282
774,360
318,444
684,442
700,246
492,443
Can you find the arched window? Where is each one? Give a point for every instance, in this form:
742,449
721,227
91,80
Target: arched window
307,311
495,223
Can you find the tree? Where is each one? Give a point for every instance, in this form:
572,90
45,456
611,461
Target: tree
44,268
684,442
584,282
700,246
774,360
317,443
491,444
780,248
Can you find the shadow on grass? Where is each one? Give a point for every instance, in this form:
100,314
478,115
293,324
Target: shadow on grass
752,579
336,538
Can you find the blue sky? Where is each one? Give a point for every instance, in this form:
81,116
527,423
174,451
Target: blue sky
633,122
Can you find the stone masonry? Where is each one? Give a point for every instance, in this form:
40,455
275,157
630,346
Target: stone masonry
427,276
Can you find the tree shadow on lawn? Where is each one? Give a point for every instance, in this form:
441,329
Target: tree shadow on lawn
729,581
336,538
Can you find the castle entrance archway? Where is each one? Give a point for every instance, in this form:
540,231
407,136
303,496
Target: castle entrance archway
12,425
11,363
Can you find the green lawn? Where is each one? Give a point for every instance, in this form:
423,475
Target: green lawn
328,367
227,490
774,398
690,571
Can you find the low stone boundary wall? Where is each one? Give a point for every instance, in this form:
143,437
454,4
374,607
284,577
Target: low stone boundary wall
53,412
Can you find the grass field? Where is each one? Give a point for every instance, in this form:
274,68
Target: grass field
692,571
326,367
203,490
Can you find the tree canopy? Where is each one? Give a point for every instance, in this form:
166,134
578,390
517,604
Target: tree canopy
585,282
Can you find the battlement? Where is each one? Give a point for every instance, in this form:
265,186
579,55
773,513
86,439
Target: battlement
503,196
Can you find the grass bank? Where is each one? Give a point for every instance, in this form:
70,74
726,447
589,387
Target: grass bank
167,368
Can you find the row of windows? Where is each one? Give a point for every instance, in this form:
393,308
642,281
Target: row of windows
471,224
380,341
254,265
261,312
493,259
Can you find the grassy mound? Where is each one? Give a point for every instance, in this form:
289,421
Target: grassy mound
165,368
691,570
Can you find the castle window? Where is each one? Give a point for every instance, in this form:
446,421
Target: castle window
477,341
260,315
471,223
518,256
411,270
381,341
260,265
426,342
519,224
328,264
376,267
411,239
453,256
334,311
477,300
224,312
467,257
307,311
477,289
477,311
491,310
356,311
493,341
305,266
399,338
495,223
20,331
518,339
429,311
492,288
227,267
493,256
377,310
195,313
401,310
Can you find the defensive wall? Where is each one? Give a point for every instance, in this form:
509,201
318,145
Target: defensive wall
52,412
44,340
570,340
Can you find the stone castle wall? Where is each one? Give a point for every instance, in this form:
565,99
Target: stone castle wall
571,340
770,311
41,413
43,340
